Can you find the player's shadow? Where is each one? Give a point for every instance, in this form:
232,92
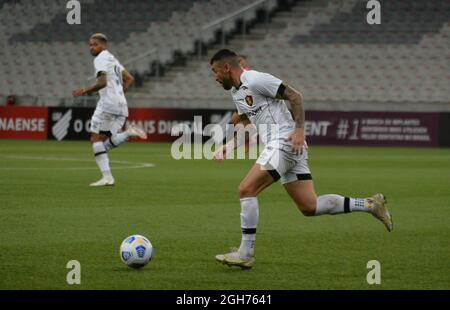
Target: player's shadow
133,270
232,269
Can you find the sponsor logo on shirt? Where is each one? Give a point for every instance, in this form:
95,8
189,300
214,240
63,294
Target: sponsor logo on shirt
254,113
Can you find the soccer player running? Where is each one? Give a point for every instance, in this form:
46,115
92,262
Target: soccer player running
259,97
112,110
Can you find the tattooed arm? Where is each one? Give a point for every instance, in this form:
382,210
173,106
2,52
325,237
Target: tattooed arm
298,135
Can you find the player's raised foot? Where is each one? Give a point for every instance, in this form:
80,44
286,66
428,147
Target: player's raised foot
378,205
105,181
234,258
133,132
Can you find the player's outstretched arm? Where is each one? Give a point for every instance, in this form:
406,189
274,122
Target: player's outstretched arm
298,136
101,83
240,122
127,79
243,119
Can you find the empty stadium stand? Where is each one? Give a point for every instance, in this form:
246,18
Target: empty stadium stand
323,47
332,55
403,22
53,56
119,18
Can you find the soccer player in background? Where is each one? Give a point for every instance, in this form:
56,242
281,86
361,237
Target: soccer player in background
112,110
259,98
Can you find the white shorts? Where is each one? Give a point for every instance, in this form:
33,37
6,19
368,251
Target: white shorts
106,123
288,166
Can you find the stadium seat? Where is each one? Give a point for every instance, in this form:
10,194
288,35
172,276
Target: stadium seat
328,50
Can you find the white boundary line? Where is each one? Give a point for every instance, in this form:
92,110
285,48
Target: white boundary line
132,165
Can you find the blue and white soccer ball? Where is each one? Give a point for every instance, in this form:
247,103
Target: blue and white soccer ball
136,251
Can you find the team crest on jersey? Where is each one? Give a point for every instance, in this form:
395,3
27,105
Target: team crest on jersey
249,100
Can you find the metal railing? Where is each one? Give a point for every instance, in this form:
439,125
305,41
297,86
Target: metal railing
221,21
144,55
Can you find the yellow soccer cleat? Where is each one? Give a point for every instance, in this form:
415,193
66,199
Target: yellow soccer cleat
234,258
378,207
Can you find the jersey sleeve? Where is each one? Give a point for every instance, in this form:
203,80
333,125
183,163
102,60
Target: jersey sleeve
265,84
100,65
239,110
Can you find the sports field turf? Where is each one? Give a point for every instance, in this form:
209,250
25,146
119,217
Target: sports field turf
190,211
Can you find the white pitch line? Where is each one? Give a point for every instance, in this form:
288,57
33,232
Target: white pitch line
133,165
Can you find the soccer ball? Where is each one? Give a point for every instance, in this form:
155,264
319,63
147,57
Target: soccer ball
136,251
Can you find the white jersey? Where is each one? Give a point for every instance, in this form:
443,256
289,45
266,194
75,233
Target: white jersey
112,99
256,98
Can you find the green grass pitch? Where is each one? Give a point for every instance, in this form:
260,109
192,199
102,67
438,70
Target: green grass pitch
190,211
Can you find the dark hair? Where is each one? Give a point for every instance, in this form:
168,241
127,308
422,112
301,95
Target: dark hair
223,54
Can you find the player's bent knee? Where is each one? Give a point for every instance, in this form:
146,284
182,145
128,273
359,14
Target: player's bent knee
96,138
246,191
